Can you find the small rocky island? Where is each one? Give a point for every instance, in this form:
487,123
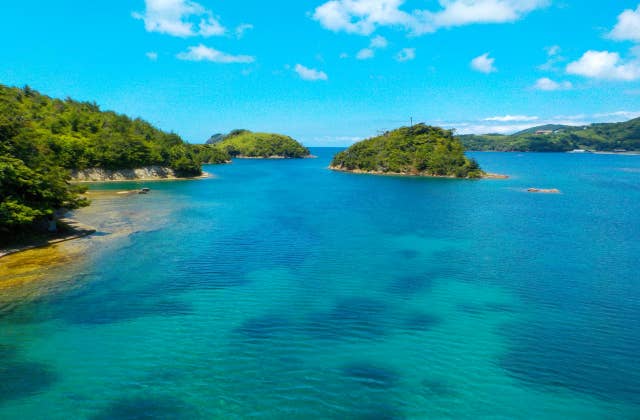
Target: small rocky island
419,150
247,144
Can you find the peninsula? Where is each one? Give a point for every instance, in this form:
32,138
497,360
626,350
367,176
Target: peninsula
419,150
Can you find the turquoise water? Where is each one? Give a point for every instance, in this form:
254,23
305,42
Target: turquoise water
279,289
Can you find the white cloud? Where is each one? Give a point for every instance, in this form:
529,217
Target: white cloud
484,64
365,54
628,26
376,43
550,85
151,55
605,65
510,118
624,115
406,54
204,53
379,42
183,18
241,29
553,50
465,12
344,55
365,16
553,58
306,73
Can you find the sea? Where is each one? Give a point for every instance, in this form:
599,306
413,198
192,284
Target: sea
279,289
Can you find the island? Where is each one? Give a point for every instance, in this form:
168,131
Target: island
419,150
247,144
622,137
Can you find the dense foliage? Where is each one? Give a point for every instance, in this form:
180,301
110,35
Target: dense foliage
243,143
42,138
416,150
556,138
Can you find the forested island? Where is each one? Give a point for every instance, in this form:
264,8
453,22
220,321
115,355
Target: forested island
606,137
247,144
419,150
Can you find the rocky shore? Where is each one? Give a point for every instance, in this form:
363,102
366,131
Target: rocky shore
149,173
411,174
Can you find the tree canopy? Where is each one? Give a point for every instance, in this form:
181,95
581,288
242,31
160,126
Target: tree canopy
561,138
244,143
417,150
42,138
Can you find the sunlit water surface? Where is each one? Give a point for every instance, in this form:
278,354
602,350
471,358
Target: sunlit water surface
279,289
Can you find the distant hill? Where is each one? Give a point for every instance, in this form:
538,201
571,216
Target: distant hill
216,138
244,143
605,137
547,127
418,150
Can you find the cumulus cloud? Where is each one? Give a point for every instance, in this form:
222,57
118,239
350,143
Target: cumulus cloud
484,64
406,54
624,115
306,73
152,55
365,54
182,18
628,26
379,42
204,53
605,65
365,16
376,43
553,58
510,118
547,84
241,29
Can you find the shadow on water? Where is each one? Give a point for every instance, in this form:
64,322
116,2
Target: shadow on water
574,358
356,317
371,376
421,321
411,284
146,407
22,378
263,327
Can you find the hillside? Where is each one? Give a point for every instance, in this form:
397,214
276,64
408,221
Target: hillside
606,137
418,150
42,139
244,143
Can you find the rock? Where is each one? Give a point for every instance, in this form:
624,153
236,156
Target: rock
544,191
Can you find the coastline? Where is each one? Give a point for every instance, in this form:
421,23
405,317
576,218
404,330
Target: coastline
274,157
96,180
487,175
73,230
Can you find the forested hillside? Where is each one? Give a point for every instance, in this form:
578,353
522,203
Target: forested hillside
557,138
417,150
42,138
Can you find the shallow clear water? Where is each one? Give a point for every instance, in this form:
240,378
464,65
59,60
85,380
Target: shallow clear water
279,289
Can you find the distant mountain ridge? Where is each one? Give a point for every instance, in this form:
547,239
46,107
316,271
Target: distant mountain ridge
598,137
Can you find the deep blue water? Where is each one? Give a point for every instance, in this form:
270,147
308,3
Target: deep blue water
279,289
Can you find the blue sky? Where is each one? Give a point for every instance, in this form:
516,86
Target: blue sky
331,72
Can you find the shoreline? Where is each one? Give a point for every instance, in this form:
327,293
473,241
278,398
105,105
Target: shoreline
275,157
204,175
76,230
487,175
